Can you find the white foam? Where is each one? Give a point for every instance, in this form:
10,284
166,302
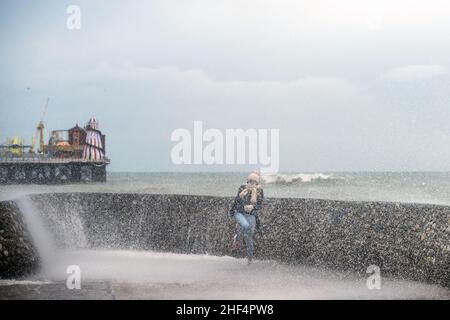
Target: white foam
295,177
13,282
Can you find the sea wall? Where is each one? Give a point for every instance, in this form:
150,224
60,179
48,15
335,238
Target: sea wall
18,256
405,240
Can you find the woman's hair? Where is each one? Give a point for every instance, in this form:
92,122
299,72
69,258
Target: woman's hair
254,176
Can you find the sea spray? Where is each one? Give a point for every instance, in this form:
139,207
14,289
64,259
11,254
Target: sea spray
40,234
55,229
108,218
65,223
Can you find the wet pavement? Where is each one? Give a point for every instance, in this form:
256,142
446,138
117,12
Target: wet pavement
151,275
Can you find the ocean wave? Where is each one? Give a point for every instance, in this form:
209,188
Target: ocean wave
13,282
296,178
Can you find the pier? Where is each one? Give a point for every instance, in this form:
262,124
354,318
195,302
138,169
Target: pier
71,156
44,170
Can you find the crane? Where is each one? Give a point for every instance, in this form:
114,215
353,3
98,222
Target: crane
40,129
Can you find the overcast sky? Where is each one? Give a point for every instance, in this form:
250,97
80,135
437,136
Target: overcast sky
352,85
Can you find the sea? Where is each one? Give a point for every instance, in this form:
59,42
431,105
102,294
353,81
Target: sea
415,187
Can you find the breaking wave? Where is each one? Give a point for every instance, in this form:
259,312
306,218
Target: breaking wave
297,178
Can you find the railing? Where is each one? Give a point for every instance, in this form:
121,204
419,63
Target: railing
35,159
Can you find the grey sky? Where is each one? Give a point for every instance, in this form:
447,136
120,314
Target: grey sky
352,85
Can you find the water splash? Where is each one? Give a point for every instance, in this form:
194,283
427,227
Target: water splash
66,224
40,234
136,274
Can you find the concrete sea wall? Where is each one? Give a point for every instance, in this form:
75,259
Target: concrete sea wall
409,241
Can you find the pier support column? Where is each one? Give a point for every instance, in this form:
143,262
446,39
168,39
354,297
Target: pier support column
99,173
76,173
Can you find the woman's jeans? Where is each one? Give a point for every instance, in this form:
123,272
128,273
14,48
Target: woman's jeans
247,223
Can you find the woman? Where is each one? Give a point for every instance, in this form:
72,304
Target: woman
245,211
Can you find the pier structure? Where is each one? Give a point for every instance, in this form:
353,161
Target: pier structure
43,170
73,155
